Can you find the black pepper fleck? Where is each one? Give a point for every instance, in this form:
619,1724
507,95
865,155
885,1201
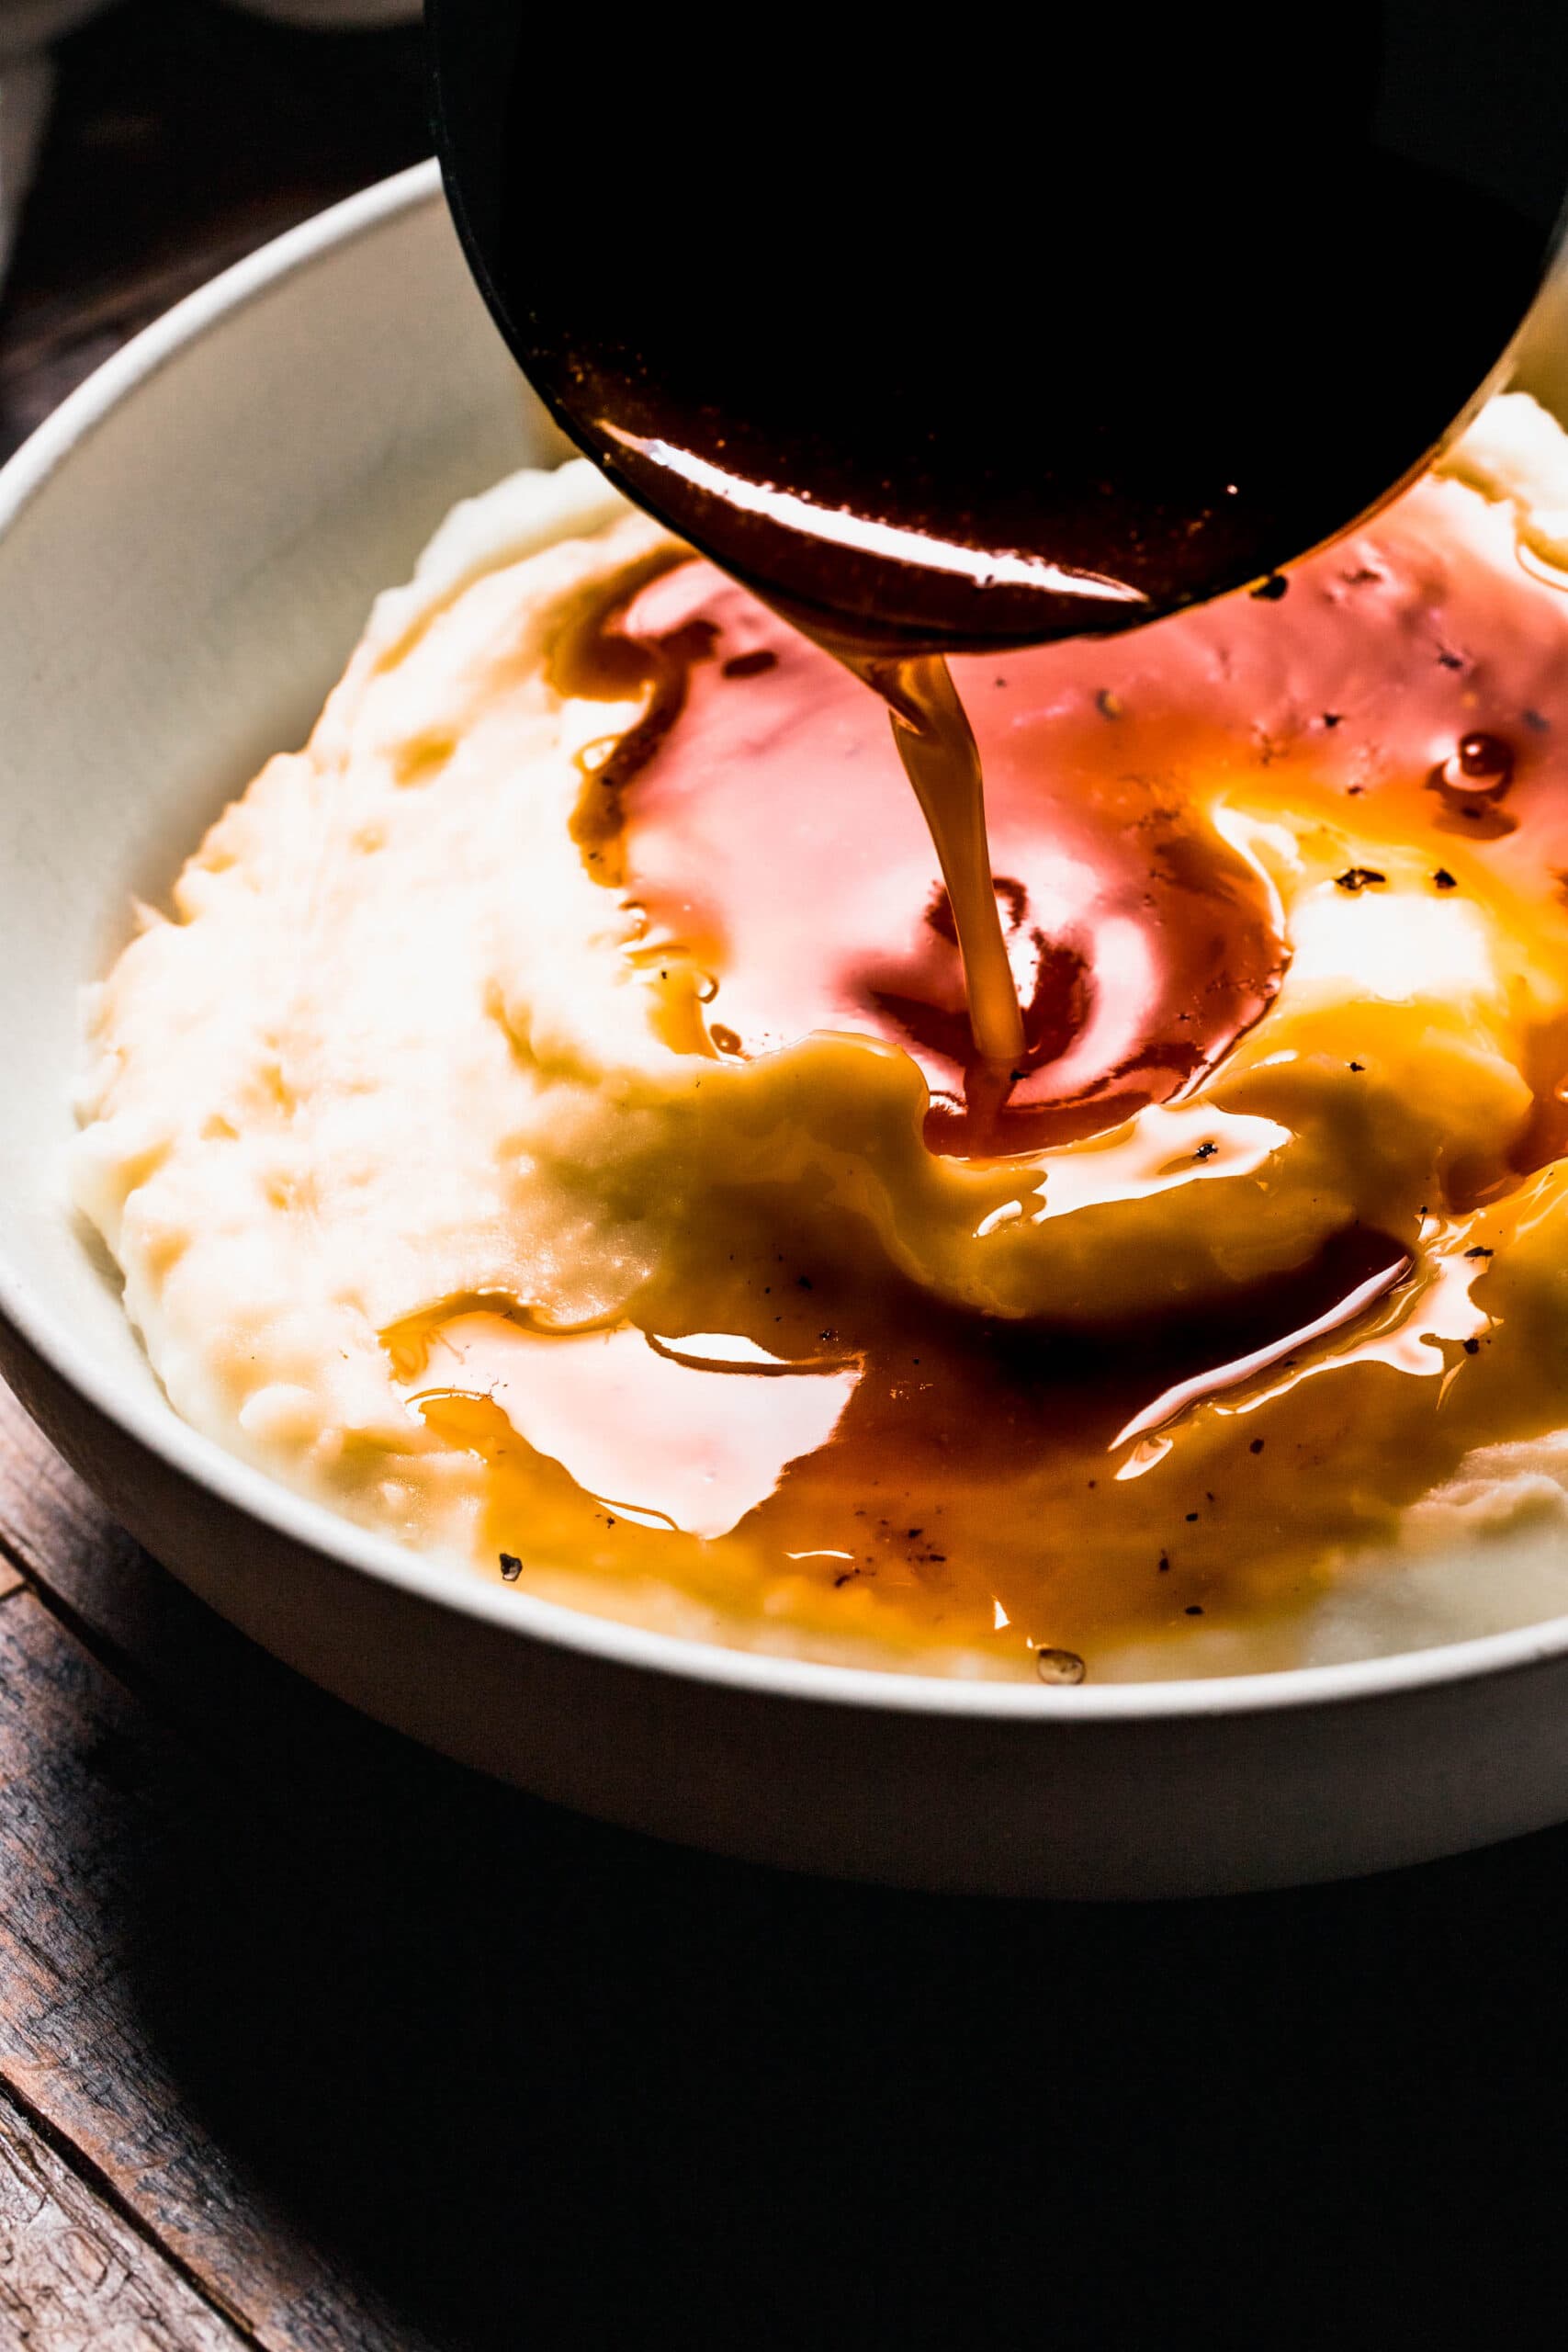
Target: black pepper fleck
1472,1347
1193,1610
511,1566
749,666
1444,879
1359,877
1479,1251
1257,1446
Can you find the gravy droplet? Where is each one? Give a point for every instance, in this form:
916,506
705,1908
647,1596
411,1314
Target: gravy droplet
1471,782
1059,1666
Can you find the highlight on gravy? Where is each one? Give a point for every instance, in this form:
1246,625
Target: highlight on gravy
552,1127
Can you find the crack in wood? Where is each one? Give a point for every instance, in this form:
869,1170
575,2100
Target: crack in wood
52,2200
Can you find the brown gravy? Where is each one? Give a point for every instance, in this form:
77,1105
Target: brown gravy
755,815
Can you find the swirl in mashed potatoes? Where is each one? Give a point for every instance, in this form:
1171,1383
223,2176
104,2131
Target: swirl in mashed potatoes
534,1130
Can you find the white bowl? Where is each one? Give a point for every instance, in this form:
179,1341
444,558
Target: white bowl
186,551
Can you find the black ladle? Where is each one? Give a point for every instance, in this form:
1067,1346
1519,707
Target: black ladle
1045,326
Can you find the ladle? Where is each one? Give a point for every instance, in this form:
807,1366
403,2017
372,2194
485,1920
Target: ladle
1043,328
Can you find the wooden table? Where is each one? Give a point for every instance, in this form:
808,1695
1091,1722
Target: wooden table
309,2040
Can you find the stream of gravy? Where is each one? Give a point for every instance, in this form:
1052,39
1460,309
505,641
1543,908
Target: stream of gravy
754,814
936,744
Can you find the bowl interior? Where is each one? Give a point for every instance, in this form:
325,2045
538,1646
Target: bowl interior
187,552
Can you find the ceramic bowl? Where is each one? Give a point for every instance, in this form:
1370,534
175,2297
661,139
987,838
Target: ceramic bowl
187,549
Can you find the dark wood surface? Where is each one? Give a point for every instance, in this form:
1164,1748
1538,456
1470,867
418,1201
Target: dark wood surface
311,2041
184,134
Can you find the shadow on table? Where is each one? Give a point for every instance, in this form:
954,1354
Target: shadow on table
533,2079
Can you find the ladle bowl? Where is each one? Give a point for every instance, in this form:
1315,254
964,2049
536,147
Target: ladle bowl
1012,337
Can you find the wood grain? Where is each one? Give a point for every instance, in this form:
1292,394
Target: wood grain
117,1847
54,1529
74,2276
271,1732
46,1512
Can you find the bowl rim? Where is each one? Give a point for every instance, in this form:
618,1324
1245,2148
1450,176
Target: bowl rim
152,1423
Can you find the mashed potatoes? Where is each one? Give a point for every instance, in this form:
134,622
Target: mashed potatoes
443,1189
